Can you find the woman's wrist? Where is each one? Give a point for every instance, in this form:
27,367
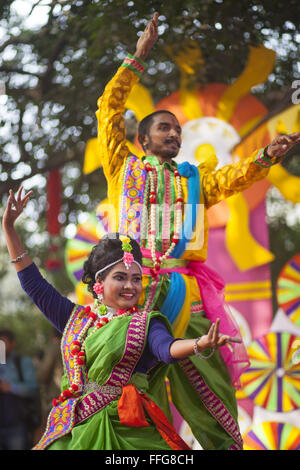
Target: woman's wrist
200,345
198,350
8,225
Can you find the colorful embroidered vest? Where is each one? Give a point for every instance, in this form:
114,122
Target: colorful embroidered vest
133,208
72,411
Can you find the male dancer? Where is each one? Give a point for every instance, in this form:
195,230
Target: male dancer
148,198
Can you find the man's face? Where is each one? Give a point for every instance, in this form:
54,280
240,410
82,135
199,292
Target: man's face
164,137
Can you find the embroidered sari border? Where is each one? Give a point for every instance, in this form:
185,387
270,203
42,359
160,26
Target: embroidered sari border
73,327
212,403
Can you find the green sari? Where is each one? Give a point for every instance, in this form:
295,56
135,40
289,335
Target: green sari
76,425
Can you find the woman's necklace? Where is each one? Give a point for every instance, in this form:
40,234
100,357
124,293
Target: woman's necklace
107,314
157,261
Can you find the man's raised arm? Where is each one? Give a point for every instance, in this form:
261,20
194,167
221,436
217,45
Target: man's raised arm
111,105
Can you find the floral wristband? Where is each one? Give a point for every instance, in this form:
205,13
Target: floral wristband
138,66
262,160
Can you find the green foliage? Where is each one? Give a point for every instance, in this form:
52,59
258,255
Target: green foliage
32,330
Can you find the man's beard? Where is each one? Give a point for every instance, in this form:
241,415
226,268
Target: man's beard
165,151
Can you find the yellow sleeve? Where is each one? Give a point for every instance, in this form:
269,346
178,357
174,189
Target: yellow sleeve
231,179
111,125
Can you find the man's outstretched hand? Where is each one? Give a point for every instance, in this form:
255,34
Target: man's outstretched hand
281,144
148,38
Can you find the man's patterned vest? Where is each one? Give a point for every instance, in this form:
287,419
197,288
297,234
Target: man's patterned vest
133,207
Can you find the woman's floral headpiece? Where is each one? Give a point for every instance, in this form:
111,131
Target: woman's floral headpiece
127,259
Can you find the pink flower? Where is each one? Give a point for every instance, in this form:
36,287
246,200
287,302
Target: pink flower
98,288
128,258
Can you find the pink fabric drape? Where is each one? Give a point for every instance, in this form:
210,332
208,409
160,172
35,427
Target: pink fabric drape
212,290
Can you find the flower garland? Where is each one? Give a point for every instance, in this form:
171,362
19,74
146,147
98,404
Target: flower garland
78,347
157,261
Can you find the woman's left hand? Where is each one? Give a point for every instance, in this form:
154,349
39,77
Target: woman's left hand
214,339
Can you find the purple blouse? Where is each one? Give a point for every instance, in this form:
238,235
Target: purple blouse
57,309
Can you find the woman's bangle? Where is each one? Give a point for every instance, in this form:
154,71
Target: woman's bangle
16,260
199,354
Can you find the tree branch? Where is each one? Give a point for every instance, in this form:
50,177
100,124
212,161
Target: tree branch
15,41
25,156
25,38
51,165
9,69
45,81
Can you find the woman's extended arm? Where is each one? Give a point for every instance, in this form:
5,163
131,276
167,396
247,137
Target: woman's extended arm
14,208
168,349
213,339
52,304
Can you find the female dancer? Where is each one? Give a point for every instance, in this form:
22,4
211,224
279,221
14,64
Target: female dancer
115,355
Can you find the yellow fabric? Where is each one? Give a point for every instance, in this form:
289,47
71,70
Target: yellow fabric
138,95
215,185
288,185
182,320
92,158
248,291
286,122
205,154
243,248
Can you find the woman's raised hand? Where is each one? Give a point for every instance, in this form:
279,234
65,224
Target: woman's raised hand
15,206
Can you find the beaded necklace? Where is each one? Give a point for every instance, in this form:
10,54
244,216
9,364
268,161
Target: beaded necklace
78,346
157,261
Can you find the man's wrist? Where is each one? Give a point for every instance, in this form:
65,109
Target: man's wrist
136,64
264,160
141,54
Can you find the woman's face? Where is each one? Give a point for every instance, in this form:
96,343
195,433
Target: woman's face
122,287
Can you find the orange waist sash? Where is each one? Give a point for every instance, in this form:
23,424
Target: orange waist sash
131,408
